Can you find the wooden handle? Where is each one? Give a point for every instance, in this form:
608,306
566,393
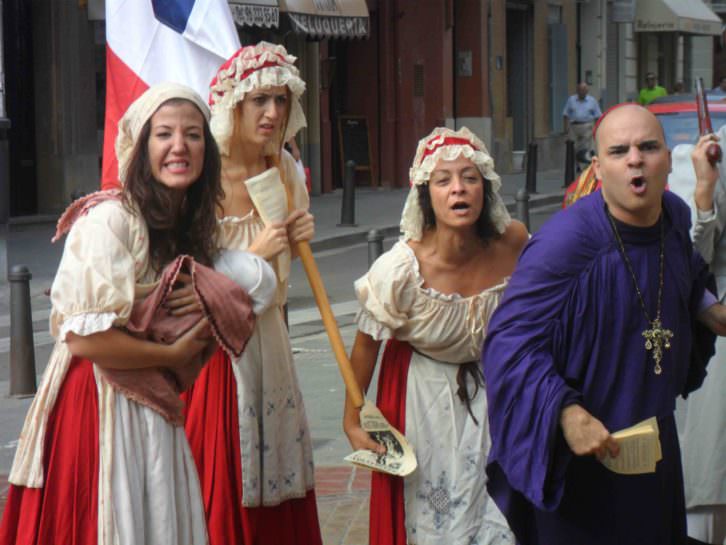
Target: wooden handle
331,326
326,313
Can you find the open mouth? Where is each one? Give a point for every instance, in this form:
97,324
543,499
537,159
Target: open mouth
177,166
638,185
460,206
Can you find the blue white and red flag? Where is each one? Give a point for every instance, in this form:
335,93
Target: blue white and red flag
150,41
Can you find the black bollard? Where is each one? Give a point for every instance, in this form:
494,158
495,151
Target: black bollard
22,351
522,200
375,245
347,205
569,162
532,167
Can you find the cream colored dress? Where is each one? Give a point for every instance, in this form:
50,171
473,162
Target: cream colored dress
445,498
148,487
275,443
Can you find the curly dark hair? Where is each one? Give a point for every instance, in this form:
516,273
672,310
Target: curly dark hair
485,228
189,229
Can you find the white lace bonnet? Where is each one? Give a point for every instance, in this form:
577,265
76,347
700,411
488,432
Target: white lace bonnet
448,144
141,110
254,67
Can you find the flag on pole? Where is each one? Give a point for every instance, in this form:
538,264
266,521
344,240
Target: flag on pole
150,41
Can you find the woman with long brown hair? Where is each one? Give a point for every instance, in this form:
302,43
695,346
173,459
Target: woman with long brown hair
93,465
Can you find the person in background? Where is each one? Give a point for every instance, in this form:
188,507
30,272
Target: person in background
579,114
703,442
679,88
651,91
719,89
430,298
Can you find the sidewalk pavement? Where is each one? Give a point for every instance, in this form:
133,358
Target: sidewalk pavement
342,491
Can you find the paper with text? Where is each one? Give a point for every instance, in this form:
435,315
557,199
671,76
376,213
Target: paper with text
268,195
399,458
640,449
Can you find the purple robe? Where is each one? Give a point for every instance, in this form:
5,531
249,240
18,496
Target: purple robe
568,330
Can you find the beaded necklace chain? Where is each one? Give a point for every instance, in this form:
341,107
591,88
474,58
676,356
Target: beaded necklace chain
657,337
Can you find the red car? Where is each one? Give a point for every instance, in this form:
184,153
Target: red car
678,116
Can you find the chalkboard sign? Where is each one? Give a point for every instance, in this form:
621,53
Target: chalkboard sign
354,142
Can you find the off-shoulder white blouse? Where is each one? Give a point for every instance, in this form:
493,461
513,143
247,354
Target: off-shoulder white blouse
394,304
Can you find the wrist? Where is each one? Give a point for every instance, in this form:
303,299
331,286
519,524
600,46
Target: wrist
572,414
703,196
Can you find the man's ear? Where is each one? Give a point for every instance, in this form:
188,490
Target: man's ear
596,166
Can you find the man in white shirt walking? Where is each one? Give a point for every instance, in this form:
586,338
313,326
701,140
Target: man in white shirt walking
580,113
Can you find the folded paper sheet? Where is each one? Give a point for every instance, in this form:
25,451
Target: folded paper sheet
399,458
639,449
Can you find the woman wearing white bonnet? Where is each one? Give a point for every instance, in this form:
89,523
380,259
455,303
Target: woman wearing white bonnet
93,466
246,420
430,298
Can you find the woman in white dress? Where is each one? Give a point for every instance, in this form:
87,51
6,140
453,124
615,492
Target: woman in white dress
430,297
93,466
246,420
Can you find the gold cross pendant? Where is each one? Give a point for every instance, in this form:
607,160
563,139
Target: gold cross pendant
656,338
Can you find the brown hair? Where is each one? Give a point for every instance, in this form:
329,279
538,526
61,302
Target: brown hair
189,229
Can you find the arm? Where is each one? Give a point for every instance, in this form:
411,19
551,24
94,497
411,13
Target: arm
585,434
116,349
708,201
363,359
714,317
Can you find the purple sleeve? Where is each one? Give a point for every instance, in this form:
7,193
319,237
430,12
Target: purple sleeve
708,300
526,392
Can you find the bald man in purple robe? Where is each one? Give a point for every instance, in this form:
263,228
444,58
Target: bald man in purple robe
566,362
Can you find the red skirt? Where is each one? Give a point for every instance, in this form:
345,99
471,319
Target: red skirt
387,515
212,427
65,510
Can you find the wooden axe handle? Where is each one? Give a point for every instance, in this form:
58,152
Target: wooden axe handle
326,313
331,326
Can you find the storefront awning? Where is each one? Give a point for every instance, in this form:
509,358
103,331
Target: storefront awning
328,18
687,16
262,13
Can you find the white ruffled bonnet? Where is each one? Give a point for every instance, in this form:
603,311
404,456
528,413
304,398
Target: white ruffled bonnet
447,144
254,67
141,110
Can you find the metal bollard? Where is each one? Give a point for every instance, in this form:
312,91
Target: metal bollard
532,167
375,245
347,208
22,351
522,200
569,162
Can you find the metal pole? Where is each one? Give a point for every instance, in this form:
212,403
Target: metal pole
569,162
532,167
522,200
22,351
375,245
4,165
347,205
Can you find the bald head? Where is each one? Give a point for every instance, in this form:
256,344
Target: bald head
582,89
614,119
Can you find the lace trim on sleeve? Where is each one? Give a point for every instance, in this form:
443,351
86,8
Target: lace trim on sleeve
87,324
